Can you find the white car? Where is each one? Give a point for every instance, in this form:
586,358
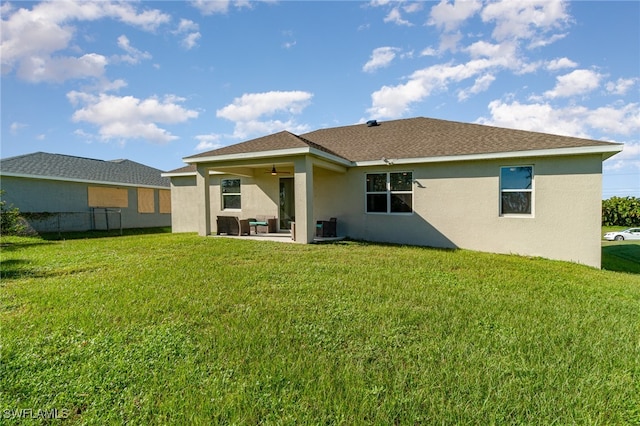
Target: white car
627,234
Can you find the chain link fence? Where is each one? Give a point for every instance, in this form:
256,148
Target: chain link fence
97,219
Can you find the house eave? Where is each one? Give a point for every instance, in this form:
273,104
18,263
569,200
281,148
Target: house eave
76,180
262,155
247,156
605,150
181,174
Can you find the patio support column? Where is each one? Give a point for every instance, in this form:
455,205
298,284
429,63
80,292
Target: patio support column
305,228
203,202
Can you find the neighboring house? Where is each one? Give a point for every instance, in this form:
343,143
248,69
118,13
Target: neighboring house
65,193
415,181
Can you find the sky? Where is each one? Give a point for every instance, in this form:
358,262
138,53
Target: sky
157,81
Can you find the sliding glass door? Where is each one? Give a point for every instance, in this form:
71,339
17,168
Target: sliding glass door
287,204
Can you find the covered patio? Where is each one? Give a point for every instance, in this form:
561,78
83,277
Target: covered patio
279,237
278,183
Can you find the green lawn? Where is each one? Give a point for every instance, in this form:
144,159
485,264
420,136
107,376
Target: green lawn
179,329
622,256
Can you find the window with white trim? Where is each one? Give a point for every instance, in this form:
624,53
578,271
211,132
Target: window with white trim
230,194
516,190
389,192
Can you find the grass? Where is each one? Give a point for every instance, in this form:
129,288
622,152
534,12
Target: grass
621,256
179,329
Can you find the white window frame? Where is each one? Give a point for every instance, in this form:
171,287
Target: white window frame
516,190
223,194
388,192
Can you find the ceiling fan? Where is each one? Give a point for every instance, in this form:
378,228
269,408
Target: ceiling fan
275,172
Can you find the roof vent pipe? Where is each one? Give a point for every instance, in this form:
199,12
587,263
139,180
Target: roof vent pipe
372,123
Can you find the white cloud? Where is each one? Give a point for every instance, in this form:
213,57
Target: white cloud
537,117
577,82
503,55
253,105
32,39
5,8
245,129
291,42
46,69
394,101
517,25
15,127
481,84
575,121
530,20
412,7
127,117
621,119
628,159
484,49
449,16
249,110
191,40
189,30
395,17
449,41
429,51
621,86
148,20
210,7
560,63
208,142
133,55
187,25
380,57
379,2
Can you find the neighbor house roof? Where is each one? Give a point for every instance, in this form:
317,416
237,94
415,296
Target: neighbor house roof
42,165
412,140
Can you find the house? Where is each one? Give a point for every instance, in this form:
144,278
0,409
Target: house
416,181
58,193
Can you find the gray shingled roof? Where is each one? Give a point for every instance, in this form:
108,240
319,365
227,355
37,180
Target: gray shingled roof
409,138
67,167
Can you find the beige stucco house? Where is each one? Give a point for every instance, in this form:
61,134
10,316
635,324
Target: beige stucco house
415,181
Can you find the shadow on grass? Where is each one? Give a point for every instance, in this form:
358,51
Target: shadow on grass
621,257
14,268
8,245
103,234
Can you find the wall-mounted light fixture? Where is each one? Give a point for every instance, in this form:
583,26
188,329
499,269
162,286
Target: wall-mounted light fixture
387,161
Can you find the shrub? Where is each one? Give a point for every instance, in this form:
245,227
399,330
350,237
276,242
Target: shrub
621,211
10,221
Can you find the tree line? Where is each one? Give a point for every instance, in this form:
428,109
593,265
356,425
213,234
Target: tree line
621,211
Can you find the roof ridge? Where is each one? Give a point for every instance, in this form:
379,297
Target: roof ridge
318,146
70,167
52,154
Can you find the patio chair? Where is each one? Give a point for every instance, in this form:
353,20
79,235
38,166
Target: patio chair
255,223
326,228
231,225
